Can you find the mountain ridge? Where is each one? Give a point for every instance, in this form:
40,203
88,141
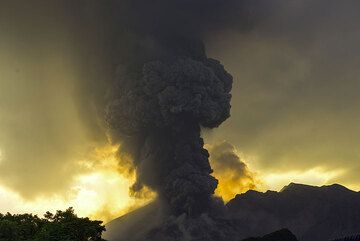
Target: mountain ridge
311,213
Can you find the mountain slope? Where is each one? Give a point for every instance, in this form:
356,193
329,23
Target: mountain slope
135,225
311,213
281,235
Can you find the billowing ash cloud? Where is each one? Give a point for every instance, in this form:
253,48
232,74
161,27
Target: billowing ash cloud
234,175
57,59
91,38
166,89
157,109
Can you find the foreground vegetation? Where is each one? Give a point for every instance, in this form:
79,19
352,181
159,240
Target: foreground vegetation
62,226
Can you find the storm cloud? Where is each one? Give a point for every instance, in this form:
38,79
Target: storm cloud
295,93
48,50
298,82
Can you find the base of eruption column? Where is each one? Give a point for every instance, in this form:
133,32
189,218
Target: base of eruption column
310,213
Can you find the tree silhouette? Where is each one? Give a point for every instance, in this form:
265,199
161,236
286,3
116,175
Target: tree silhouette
61,226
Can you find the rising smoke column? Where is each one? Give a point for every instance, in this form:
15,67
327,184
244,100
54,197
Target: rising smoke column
166,89
161,109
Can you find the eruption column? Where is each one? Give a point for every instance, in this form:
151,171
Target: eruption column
157,110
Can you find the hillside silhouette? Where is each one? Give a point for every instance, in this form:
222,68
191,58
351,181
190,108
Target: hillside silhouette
310,213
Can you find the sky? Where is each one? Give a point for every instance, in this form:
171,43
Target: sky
295,106
295,97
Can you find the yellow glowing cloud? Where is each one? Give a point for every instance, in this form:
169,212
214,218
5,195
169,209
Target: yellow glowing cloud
317,176
102,193
232,172
230,184
236,176
106,187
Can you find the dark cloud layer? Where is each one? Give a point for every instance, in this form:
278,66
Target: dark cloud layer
144,67
296,84
48,123
295,64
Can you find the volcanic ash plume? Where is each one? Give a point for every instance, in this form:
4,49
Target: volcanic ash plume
166,89
234,174
161,108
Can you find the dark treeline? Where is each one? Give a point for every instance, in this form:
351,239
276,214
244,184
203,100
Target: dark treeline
62,226
350,238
